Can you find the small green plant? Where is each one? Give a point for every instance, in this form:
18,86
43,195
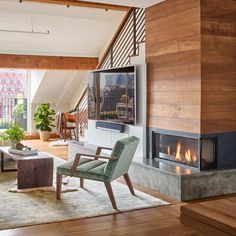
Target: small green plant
44,117
18,110
13,134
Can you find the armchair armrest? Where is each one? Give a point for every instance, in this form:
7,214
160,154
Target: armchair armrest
99,149
78,156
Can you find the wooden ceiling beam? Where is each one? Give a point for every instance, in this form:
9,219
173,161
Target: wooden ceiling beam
47,62
82,4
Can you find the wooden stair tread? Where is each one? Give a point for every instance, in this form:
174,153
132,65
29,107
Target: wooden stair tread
220,214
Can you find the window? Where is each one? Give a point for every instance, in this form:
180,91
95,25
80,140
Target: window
13,97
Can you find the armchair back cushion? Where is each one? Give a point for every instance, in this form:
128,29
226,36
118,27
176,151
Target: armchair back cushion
124,150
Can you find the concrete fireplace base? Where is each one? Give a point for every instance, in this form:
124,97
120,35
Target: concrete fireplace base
175,181
183,186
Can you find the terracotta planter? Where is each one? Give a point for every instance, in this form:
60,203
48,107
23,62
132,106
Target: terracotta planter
44,135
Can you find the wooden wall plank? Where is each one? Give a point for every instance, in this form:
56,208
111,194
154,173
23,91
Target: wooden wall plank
173,42
191,56
47,62
172,8
183,111
168,123
218,25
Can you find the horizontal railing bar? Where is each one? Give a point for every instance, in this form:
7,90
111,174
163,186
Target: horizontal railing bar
124,50
120,62
129,21
140,22
127,44
128,52
106,63
125,40
139,25
141,35
116,35
82,104
122,39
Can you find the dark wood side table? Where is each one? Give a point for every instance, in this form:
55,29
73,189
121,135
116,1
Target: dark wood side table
32,171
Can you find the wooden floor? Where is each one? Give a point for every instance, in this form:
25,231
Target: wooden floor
160,221
216,217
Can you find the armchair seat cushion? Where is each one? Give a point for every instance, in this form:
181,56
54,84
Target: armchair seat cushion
87,169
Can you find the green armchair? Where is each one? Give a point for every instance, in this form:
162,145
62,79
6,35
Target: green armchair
117,165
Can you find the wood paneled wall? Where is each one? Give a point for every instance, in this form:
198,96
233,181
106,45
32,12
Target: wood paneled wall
173,50
218,81
47,62
191,56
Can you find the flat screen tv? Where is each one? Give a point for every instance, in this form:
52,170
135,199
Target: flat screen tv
112,95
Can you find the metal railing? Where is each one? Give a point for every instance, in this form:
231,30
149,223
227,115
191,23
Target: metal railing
82,114
126,44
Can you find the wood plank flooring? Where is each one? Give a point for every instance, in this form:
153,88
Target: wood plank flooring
161,221
216,217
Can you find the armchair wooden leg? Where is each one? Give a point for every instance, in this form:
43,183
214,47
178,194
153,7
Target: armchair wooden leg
64,134
110,193
81,183
59,183
128,182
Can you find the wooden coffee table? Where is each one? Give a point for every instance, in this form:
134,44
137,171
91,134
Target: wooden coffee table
32,171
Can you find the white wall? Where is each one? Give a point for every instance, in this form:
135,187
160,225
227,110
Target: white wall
82,77
36,77
108,138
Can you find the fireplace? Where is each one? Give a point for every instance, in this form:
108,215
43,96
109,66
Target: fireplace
185,151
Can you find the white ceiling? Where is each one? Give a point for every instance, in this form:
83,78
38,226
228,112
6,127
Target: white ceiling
74,31
134,3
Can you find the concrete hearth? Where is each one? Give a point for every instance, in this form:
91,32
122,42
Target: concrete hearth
175,181
183,184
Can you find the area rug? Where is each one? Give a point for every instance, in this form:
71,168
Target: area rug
60,142
31,208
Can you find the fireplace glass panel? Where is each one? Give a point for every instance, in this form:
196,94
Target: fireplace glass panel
208,154
178,149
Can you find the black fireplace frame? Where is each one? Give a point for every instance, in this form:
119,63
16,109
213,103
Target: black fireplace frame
156,135
225,150
155,148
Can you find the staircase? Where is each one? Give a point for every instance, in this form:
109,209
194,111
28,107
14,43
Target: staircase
126,44
82,114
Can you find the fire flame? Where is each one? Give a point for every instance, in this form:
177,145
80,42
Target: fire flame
188,156
177,156
168,150
194,158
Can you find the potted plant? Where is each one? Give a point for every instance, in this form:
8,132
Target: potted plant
14,134
44,118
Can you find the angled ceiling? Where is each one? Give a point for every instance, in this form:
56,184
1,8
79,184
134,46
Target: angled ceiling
74,31
60,92
133,3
